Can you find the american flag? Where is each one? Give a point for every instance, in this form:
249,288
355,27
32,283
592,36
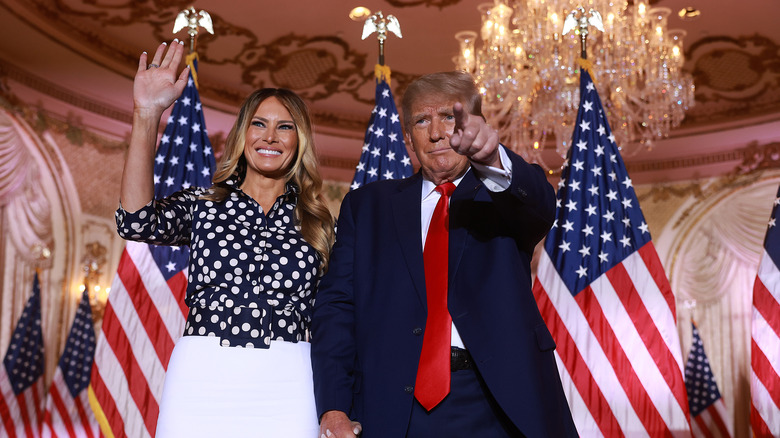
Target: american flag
68,413
765,346
605,297
384,154
146,312
21,376
708,411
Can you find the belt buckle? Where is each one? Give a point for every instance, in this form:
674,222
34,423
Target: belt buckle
460,359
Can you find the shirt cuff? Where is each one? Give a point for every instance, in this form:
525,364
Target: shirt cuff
495,179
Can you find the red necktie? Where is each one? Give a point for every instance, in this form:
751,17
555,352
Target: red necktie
433,373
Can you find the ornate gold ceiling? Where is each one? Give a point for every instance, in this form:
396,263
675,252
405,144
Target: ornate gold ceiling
312,47
735,68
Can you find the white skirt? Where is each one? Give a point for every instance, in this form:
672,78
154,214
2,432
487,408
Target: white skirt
213,391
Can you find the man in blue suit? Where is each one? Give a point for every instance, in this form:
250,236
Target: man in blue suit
375,312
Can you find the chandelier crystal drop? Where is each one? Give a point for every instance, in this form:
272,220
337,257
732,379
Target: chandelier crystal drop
528,71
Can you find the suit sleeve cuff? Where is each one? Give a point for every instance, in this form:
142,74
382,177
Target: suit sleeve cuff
495,179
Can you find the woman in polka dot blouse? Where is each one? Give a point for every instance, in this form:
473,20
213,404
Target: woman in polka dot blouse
259,239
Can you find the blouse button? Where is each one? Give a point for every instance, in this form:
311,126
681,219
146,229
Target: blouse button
409,389
417,331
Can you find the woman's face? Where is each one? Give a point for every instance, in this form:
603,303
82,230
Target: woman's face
271,140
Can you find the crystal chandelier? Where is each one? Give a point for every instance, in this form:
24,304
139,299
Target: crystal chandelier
528,71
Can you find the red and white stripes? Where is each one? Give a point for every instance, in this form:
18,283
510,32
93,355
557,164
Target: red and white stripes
143,319
20,413
617,348
66,416
765,351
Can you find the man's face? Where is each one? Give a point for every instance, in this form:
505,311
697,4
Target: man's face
428,136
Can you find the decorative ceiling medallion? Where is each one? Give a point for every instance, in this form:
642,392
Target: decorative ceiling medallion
315,67
734,77
727,70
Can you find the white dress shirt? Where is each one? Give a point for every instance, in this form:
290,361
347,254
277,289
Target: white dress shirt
495,180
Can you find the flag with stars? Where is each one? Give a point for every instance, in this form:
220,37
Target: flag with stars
384,154
68,413
21,376
765,345
603,293
146,312
709,416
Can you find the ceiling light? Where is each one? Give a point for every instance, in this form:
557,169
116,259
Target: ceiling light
526,69
689,13
360,13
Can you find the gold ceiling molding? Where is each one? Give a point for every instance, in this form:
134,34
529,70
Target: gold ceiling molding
21,76
756,161
685,162
664,192
734,77
73,129
753,157
759,157
699,190
681,163
316,67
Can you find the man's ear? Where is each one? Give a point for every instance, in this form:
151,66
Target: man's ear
408,140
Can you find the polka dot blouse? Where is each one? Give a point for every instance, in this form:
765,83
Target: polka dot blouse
251,275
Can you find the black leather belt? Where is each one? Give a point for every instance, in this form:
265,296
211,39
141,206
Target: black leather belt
460,359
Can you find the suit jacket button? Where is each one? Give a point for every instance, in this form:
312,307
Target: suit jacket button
409,389
417,331
522,192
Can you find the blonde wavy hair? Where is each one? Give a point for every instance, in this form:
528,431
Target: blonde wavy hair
312,212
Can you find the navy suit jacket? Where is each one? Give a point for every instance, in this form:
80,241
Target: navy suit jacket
370,310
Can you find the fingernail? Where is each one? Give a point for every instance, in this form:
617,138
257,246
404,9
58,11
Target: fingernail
356,431
175,40
144,52
181,42
164,43
328,432
323,435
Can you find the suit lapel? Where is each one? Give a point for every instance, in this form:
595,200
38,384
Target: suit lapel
406,215
466,191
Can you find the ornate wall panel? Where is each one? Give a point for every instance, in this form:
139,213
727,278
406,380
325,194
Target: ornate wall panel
711,248
37,230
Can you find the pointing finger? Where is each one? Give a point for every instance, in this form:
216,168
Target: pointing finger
461,117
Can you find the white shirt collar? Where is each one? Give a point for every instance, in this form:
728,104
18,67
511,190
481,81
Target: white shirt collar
429,188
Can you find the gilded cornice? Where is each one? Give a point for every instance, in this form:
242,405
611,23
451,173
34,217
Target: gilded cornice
756,161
